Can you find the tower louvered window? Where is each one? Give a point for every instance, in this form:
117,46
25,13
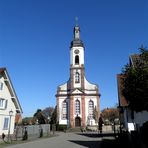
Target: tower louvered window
77,77
77,60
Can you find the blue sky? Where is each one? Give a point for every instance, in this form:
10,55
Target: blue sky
35,37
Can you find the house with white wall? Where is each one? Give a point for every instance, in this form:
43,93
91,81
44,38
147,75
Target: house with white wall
9,104
131,119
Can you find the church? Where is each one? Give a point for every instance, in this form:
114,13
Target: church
78,101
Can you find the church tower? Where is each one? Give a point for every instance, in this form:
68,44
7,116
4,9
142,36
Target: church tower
77,61
78,101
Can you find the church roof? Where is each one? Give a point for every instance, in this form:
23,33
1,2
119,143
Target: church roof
77,43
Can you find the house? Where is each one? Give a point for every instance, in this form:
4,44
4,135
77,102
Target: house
130,119
10,107
77,98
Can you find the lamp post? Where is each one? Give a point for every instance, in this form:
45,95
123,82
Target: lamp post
48,122
120,108
10,114
37,121
48,119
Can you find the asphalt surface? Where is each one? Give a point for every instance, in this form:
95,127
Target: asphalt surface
71,140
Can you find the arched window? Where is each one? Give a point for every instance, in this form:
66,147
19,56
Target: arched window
91,109
77,77
77,60
77,107
64,109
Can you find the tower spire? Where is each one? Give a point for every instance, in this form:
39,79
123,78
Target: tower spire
76,41
76,21
76,30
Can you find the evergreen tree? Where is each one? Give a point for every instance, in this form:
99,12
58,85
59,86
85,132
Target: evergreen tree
135,82
39,116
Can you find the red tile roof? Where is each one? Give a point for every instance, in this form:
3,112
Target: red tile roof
2,70
122,100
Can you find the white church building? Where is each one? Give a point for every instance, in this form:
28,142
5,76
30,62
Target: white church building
77,98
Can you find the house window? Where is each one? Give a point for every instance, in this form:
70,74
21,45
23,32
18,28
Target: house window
6,121
77,107
1,85
77,60
91,109
3,103
77,77
64,110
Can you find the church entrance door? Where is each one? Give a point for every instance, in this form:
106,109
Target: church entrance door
77,122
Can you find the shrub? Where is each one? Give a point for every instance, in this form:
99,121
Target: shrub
61,127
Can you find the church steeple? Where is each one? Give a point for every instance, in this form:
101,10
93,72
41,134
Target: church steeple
76,41
77,98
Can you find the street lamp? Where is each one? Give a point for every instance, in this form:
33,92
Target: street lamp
10,114
48,119
48,122
37,121
120,108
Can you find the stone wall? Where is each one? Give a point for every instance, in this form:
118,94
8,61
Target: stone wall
32,130
105,128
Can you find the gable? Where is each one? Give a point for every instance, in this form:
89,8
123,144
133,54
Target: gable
7,81
77,91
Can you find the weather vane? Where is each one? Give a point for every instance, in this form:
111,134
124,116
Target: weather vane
76,20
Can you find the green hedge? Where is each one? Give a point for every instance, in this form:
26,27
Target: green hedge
61,127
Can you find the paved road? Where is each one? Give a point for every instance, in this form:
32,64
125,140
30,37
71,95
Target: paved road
65,140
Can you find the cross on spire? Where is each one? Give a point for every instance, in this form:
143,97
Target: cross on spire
76,20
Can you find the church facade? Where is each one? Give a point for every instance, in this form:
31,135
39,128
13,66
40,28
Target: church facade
78,101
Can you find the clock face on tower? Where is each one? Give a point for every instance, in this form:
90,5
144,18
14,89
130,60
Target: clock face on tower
76,51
